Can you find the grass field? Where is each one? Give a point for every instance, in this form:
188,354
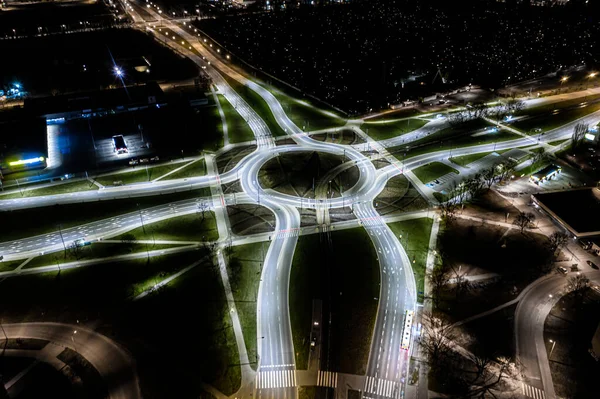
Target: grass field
64,188
465,160
93,251
139,175
245,266
237,128
386,130
190,227
432,171
257,103
196,169
10,265
319,274
195,304
414,236
306,116
34,221
558,142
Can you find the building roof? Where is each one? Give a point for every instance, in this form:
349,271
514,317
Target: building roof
95,100
547,171
577,210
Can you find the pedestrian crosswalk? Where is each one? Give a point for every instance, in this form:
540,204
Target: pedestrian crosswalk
276,379
287,233
380,387
532,392
327,379
371,221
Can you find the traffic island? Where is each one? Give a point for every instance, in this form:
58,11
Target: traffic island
307,173
345,277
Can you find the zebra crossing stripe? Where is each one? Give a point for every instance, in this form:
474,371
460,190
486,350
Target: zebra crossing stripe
532,392
327,379
380,387
276,379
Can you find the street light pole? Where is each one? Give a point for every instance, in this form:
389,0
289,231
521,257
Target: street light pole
62,239
551,349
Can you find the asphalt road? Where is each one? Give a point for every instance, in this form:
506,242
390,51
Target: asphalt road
530,315
276,376
114,364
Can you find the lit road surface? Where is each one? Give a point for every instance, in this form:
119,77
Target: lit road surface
114,364
387,361
33,246
276,376
530,315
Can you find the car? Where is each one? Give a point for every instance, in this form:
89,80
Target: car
592,265
436,181
313,342
134,162
154,159
144,160
562,270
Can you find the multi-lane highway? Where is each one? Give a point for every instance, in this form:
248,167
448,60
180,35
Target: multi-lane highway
276,376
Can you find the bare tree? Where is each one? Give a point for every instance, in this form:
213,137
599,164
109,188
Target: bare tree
436,340
557,241
76,249
461,285
448,211
579,132
505,169
439,279
202,208
524,219
129,241
514,105
489,177
486,375
577,285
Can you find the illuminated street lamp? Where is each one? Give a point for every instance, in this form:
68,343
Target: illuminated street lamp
118,71
592,75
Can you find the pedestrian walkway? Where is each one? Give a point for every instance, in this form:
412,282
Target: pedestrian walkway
276,379
380,387
327,379
532,392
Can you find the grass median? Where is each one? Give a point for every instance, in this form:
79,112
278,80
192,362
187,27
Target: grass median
348,285
256,102
305,115
244,264
62,188
465,160
198,168
139,175
432,171
43,220
414,236
190,227
387,130
237,128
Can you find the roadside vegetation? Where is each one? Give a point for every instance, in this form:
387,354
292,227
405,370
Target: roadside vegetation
60,188
244,264
257,103
385,130
414,235
432,171
237,128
